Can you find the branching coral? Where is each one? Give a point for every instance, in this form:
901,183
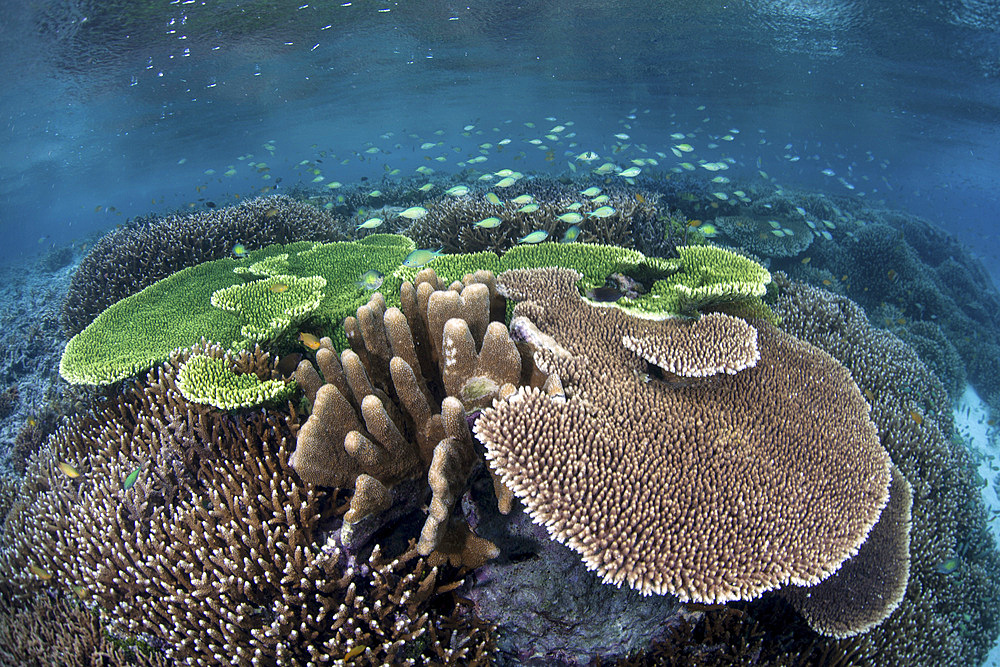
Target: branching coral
187,525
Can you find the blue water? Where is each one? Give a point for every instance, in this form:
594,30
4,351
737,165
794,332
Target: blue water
118,109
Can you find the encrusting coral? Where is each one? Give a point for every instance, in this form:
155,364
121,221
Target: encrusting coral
647,477
393,407
187,527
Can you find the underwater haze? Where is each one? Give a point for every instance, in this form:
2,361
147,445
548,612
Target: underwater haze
120,109
574,332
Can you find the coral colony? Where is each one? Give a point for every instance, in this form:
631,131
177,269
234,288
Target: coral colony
561,425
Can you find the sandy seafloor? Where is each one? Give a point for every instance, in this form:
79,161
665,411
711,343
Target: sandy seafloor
971,415
32,294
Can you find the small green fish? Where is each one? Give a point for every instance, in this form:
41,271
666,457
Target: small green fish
571,234
570,218
414,213
591,191
708,230
603,212
534,237
686,148
488,223
948,566
426,187
506,182
239,250
492,198
130,480
521,200
371,280
371,223
600,199
631,172
575,206
419,257
375,193
457,191
528,208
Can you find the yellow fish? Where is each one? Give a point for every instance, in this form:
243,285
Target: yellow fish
309,340
68,470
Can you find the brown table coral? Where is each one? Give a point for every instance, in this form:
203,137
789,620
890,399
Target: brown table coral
711,489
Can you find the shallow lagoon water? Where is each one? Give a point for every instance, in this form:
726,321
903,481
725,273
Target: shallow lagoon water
121,110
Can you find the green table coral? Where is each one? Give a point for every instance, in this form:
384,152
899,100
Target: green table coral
178,311
211,380
270,294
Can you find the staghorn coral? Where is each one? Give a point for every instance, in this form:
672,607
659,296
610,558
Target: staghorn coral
215,549
129,259
393,407
944,619
647,479
768,236
47,629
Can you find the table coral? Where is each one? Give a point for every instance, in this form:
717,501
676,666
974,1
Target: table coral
668,487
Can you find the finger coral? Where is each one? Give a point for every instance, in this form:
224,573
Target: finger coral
713,489
394,406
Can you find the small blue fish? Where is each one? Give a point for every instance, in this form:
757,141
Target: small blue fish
418,257
534,237
571,234
371,280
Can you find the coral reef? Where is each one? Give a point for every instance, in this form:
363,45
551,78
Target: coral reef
637,466
129,259
186,526
53,629
944,618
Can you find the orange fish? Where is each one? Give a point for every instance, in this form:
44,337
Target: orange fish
870,395
639,198
694,223
806,260
917,417
355,652
278,288
271,212
309,340
827,281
